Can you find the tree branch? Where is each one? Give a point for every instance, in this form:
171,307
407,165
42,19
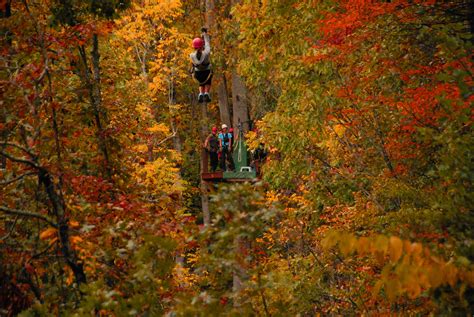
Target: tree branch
23,213
20,160
11,229
169,137
16,178
4,144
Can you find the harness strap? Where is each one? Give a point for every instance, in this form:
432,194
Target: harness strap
207,64
208,76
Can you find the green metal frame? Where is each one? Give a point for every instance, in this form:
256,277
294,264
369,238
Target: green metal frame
241,159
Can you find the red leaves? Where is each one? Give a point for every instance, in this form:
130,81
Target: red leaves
421,107
337,26
92,188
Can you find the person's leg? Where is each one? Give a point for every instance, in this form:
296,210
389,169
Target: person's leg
227,159
199,78
201,94
213,161
207,86
223,160
207,97
231,161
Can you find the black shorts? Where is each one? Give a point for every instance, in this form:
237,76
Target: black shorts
204,77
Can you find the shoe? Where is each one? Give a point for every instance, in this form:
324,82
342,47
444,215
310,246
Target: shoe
207,98
201,98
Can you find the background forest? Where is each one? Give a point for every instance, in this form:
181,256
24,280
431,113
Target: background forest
365,206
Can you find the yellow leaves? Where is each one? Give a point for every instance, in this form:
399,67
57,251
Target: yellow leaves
330,240
252,140
347,244
411,267
144,111
184,277
450,274
363,246
192,258
415,248
395,248
140,148
272,196
392,288
434,278
159,176
159,128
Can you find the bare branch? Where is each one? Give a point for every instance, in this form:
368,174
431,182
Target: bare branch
11,229
169,137
10,211
20,160
18,146
16,178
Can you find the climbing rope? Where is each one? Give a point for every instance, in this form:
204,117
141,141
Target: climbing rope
239,151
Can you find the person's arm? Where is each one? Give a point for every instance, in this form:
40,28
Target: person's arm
207,44
206,142
231,142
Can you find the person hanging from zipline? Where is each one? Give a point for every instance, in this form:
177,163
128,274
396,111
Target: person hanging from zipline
202,65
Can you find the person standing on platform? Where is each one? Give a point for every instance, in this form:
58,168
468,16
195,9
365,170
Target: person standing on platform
225,145
212,146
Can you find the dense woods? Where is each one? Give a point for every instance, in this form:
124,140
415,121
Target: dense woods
364,204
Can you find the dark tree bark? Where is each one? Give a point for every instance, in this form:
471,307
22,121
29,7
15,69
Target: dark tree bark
240,103
223,98
204,166
92,83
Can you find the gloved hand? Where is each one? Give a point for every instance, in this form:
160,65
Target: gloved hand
204,30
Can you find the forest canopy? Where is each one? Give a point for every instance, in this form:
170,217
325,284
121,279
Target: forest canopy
357,119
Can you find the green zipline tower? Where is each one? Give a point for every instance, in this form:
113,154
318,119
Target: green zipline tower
243,171
241,161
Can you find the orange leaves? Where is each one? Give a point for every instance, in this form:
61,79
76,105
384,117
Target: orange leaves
48,234
410,268
74,224
76,239
395,248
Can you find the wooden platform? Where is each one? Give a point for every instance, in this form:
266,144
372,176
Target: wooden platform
231,177
212,176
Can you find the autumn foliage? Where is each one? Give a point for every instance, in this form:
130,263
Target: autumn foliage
365,202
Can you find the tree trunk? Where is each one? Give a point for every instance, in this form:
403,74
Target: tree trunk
210,13
204,166
223,98
177,144
7,39
58,206
239,103
209,6
97,103
93,86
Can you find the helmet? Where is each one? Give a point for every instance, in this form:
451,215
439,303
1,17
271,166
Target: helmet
231,130
198,42
224,126
214,129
